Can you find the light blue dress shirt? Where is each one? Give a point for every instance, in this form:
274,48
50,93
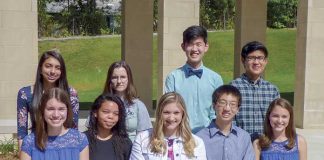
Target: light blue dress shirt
235,146
196,92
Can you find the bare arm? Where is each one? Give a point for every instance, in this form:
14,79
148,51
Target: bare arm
19,144
84,154
257,149
24,156
302,147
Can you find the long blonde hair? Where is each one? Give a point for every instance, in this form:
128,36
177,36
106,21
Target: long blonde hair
157,142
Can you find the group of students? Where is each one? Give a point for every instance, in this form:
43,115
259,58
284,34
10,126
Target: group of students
197,118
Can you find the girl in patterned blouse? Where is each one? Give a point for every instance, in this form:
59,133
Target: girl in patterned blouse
51,72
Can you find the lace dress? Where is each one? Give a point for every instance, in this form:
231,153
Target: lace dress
278,151
65,147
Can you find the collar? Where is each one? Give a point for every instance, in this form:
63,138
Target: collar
187,67
214,130
249,81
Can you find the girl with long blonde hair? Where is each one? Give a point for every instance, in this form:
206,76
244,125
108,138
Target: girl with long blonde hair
171,137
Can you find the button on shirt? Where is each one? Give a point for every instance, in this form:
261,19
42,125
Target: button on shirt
196,92
256,98
235,146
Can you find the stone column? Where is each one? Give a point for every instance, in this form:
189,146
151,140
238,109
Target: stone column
309,86
18,55
137,45
250,25
174,17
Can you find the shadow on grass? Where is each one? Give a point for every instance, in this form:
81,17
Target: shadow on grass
85,105
288,96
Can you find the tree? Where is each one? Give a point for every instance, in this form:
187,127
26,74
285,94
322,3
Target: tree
217,14
282,13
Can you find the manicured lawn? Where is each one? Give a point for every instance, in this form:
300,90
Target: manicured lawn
88,60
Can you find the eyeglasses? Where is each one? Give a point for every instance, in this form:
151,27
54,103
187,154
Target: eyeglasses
255,58
223,104
115,79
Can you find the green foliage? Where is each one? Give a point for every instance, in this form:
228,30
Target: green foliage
8,146
78,18
217,14
282,13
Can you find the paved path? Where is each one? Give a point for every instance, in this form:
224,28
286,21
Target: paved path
315,143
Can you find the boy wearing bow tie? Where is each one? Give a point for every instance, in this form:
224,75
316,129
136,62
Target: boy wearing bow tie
193,81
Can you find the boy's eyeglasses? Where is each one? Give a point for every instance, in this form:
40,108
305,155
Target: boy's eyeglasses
255,58
223,104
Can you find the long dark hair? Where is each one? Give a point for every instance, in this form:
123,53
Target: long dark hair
41,133
130,92
266,139
39,84
120,136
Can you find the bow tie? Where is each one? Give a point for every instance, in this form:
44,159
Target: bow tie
197,72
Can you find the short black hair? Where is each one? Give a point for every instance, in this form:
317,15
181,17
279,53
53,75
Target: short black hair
253,46
227,89
194,32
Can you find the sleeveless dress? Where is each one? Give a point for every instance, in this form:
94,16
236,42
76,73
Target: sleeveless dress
278,151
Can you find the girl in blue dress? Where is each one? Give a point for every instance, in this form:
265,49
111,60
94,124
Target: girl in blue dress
106,132
280,140
51,72
53,138
120,82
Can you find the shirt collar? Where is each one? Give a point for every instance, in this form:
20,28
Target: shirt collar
187,67
249,81
213,129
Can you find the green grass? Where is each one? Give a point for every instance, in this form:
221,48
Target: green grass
88,60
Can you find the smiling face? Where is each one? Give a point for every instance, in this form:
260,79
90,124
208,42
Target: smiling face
279,119
171,116
107,115
51,70
119,80
55,114
195,51
226,108
254,64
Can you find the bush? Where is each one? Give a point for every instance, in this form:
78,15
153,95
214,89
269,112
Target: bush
8,146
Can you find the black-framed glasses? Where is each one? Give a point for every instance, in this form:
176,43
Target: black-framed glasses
255,58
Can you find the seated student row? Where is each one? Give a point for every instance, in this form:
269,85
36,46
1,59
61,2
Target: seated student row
170,138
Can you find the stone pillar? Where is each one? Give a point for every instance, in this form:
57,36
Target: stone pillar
18,55
250,25
309,99
174,17
137,45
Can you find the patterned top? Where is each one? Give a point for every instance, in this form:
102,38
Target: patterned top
278,151
196,92
256,97
170,149
137,118
65,147
24,101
